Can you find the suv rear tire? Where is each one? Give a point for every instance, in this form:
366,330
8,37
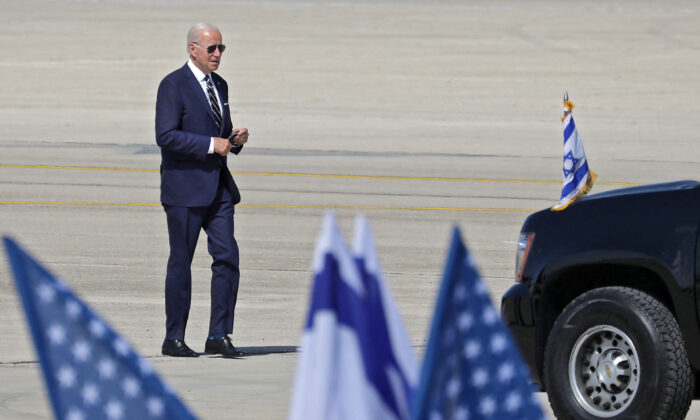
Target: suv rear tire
617,352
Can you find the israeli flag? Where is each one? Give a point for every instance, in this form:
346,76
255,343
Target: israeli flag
356,361
578,179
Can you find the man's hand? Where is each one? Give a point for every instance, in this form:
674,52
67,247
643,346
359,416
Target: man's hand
241,136
221,146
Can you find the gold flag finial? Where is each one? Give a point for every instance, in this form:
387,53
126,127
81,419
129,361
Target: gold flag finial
568,106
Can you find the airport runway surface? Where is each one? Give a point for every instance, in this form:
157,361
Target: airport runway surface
422,115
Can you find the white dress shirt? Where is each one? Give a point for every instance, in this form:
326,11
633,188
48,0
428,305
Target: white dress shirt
200,76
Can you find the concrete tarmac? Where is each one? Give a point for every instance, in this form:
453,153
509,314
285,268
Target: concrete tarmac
422,115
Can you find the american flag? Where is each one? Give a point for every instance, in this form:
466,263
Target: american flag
471,368
89,370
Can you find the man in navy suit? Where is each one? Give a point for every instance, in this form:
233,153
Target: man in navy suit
195,135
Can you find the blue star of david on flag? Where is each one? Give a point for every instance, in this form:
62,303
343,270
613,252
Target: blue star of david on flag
570,163
472,368
90,371
578,178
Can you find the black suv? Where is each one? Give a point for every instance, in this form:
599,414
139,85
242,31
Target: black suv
605,305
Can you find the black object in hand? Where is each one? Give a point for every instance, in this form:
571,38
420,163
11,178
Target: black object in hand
230,139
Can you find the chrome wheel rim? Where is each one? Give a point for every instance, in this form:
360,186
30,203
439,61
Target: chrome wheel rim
604,371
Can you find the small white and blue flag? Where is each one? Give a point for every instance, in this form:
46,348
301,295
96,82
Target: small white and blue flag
578,178
89,370
472,369
356,361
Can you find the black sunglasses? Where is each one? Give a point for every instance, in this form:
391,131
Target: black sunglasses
210,49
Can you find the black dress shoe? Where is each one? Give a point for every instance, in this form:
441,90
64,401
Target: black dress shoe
177,348
222,346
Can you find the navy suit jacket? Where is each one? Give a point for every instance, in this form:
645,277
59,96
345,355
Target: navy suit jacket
184,126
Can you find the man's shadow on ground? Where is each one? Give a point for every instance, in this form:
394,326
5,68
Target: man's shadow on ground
256,351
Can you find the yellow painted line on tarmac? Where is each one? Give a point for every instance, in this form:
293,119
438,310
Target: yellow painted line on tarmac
345,176
384,207
287,206
78,168
75,203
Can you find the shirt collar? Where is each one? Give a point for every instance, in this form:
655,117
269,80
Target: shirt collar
198,74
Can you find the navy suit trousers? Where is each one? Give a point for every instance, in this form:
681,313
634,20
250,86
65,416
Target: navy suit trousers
184,226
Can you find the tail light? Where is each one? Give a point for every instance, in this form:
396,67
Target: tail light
524,244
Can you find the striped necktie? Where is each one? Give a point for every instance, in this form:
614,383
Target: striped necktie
212,101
